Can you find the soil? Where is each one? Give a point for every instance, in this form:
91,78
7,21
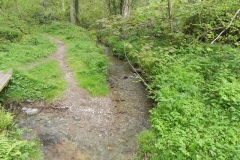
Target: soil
81,127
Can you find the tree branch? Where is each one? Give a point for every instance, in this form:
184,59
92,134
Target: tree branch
204,33
227,26
144,82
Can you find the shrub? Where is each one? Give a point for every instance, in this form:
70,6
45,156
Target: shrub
5,119
9,35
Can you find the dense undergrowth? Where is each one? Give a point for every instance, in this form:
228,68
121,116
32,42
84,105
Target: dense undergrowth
83,56
195,85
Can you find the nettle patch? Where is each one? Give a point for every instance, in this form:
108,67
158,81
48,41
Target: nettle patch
197,94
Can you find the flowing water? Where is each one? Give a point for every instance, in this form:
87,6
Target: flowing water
81,127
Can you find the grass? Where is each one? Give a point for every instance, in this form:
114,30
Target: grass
30,49
85,59
44,81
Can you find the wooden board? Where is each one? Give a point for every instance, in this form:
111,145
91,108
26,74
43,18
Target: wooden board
4,78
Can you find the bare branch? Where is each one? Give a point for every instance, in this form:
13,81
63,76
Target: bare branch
144,82
204,33
227,26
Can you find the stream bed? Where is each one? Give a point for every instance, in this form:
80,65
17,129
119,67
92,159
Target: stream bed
81,127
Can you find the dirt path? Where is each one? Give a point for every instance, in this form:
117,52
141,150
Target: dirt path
101,128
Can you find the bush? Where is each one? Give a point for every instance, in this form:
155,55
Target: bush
9,35
5,119
197,92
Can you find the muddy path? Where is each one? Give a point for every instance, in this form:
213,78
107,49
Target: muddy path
92,128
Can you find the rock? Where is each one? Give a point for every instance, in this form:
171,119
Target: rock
29,101
31,111
24,108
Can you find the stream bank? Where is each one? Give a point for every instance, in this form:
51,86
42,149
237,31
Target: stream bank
94,128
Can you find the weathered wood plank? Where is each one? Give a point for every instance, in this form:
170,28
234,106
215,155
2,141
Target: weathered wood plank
4,78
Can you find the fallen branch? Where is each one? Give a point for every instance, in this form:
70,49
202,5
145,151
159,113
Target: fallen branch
227,26
144,82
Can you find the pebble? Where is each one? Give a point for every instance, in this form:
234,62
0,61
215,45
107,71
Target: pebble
31,111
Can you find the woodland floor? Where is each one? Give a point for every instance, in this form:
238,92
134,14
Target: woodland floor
81,127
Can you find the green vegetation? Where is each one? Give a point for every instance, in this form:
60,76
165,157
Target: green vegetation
30,48
30,83
12,145
42,82
195,85
83,56
188,51
6,119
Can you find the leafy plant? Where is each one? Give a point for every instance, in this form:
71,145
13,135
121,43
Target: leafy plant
5,119
12,146
30,49
9,35
32,84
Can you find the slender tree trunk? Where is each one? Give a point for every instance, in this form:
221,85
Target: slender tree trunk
126,8
170,15
121,6
115,10
109,7
74,11
63,5
77,12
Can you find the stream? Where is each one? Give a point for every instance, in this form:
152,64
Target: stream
82,127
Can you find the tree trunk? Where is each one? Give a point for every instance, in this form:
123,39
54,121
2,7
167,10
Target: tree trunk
74,11
113,7
63,5
77,12
170,16
126,7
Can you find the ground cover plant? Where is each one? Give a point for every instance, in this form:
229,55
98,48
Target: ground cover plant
83,56
197,111
12,145
30,83
42,82
30,48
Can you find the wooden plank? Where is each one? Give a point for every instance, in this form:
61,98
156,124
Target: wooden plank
4,78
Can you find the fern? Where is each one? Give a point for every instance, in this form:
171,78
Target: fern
11,147
5,119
